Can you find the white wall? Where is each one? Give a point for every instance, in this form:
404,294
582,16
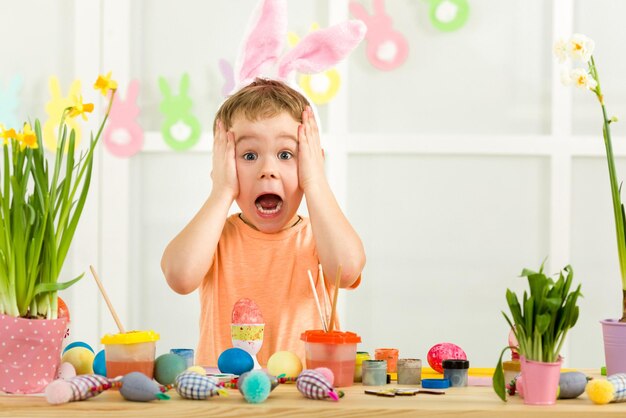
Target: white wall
458,169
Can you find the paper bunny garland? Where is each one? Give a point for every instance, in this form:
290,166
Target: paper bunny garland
316,52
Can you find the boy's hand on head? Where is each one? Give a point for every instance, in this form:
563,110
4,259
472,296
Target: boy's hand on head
224,173
310,153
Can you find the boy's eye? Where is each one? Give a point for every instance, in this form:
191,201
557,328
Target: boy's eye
249,156
285,155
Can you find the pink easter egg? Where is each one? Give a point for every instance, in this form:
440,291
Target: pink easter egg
246,311
444,351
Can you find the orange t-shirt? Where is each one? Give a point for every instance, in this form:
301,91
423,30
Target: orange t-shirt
270,269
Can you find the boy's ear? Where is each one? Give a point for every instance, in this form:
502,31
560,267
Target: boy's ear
323,154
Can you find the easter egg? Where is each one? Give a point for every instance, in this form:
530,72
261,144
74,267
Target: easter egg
81,358
167,367
197,369
284,362
78,344
62,310
246,311
235,361
99,364
444,351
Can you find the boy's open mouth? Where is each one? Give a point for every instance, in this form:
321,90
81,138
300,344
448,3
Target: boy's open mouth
268,204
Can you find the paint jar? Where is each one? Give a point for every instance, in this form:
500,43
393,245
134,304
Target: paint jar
186,353
131,351
358,369
374,372
455,371
390,355
335,350
409,371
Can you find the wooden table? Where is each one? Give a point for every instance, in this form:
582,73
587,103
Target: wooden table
288,402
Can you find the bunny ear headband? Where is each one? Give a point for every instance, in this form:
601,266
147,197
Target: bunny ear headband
316,52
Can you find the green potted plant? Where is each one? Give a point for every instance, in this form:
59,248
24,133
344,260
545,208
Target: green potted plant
40,205
579,48
540,323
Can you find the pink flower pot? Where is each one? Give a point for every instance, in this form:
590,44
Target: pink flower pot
614,333
540,381
30,353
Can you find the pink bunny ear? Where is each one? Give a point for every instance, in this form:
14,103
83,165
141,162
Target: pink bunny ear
323,48
264,41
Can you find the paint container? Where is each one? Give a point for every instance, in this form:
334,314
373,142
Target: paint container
409,371
374,372
132,351
186,353
358,369
390,355
455,371
335,350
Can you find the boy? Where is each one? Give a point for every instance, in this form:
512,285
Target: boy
266,156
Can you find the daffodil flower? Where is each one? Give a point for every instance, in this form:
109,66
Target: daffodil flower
27,138
80,108
7,134
580,47
104,84
580,78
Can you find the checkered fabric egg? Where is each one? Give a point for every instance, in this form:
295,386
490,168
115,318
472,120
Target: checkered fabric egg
192,385
619,383
312,384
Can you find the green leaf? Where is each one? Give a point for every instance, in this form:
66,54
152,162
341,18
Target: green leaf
53,287
499,386
543,321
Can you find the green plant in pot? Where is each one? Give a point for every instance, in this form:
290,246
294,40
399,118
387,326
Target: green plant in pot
579,49
540,323
41,202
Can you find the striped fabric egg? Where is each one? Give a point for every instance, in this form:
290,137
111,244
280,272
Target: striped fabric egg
619,383
192,385
314,385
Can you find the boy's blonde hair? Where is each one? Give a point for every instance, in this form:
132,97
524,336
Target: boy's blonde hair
263,98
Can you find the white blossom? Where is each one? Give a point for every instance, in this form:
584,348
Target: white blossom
579,47
581,78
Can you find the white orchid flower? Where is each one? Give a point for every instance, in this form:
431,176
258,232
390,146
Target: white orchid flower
581,78
580,47
560,50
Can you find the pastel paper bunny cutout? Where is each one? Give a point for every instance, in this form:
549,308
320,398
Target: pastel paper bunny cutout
448,15
180,129
387,48
55,108
316,52
9,102
123,136
229,76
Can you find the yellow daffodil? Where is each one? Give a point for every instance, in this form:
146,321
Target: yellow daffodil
104,84
7,134
27,138
80,108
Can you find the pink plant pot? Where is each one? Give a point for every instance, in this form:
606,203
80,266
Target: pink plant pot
30,353
614,335
540,381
